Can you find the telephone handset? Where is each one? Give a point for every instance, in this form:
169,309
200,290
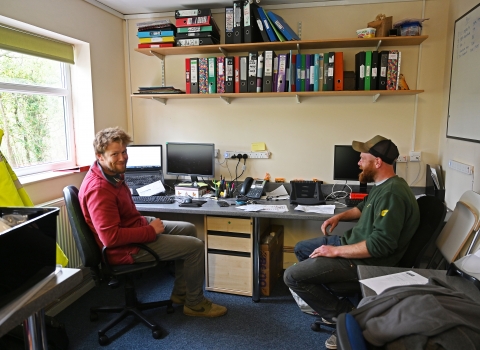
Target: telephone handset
252,188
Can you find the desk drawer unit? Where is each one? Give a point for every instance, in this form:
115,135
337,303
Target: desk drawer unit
229,247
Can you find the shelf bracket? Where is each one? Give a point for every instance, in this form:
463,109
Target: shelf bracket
297,98
161,100
298,47
223,51
226,99
378,45
375,97
162,58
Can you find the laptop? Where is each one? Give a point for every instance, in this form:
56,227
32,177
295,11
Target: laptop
144,166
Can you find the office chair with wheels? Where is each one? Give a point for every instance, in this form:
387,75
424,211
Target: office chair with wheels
92,258
432,216
349,333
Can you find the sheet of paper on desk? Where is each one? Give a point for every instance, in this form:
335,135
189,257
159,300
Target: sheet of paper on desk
151,189
259,207
279,191
379,284
320,209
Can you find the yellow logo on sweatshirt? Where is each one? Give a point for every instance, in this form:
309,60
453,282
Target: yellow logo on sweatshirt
384,212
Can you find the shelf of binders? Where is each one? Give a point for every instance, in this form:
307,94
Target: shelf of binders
227,49
298,95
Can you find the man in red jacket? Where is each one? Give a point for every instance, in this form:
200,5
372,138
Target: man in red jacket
109,211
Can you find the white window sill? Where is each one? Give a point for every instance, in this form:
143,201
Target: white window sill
33,178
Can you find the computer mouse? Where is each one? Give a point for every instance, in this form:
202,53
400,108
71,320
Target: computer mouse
187,200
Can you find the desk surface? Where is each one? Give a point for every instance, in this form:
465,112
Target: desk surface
456,282
63,282
212,208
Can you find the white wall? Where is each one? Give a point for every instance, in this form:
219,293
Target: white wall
462,151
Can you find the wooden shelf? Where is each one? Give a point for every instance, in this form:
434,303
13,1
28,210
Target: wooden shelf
287,45
297,95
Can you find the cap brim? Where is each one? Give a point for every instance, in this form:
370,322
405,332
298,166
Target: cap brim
360,147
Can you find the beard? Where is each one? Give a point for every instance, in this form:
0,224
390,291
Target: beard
368,174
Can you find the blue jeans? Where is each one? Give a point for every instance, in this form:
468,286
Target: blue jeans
309,278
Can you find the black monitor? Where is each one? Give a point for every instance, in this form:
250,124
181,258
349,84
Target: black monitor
191,159
345,165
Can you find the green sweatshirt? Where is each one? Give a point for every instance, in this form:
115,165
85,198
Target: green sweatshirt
390,217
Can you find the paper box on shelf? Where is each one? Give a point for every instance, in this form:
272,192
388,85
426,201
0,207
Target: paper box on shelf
195,192
382,25
271,258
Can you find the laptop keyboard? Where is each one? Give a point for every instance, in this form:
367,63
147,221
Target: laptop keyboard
153,199
141,180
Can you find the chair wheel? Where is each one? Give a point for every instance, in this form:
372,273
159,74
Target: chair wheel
93,316
103,340
170,309
158,334
315,327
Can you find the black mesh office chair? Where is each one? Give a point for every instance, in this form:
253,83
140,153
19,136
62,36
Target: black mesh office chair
92,258
432,219
432,216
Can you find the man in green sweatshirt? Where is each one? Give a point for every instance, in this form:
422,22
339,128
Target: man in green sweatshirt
387,219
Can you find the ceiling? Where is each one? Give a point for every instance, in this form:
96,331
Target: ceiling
139,7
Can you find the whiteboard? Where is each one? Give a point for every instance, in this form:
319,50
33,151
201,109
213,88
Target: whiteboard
464,100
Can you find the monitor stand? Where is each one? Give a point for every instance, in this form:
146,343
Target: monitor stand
363,187
194,180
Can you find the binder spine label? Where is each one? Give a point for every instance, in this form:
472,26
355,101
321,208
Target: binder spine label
246,14
229,20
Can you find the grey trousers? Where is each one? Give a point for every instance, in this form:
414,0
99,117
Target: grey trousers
179,242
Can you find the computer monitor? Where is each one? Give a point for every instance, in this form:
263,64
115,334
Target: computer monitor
190,159
345,164
144,157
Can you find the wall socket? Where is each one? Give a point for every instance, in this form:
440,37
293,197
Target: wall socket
253,155
415,156
217,151
402,159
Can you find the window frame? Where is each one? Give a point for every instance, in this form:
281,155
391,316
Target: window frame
66,93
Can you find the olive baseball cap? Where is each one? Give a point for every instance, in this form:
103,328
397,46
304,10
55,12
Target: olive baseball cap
380,147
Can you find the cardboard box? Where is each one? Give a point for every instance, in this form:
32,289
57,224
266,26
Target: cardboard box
382,26
271,258
194,192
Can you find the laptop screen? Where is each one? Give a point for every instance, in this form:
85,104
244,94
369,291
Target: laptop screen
144,158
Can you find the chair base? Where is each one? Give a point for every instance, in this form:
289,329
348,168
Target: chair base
136,311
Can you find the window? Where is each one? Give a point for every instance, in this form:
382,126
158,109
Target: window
35,113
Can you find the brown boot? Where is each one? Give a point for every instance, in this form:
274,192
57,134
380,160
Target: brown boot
205,309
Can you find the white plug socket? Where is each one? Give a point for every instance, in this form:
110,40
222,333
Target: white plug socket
402,159
415,156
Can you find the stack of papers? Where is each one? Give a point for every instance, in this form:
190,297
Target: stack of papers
261,207
320,209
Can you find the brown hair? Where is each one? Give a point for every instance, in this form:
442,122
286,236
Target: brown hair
106,136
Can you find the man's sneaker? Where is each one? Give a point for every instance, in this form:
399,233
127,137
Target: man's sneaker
178,299
331,343
205,309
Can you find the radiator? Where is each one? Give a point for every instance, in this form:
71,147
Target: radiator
64,233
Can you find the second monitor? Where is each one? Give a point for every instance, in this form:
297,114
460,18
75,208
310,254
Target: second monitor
190,159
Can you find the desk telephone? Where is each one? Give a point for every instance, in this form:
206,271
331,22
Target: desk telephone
252,188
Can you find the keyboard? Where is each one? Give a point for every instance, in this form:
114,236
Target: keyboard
352,202
141,180
153,199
